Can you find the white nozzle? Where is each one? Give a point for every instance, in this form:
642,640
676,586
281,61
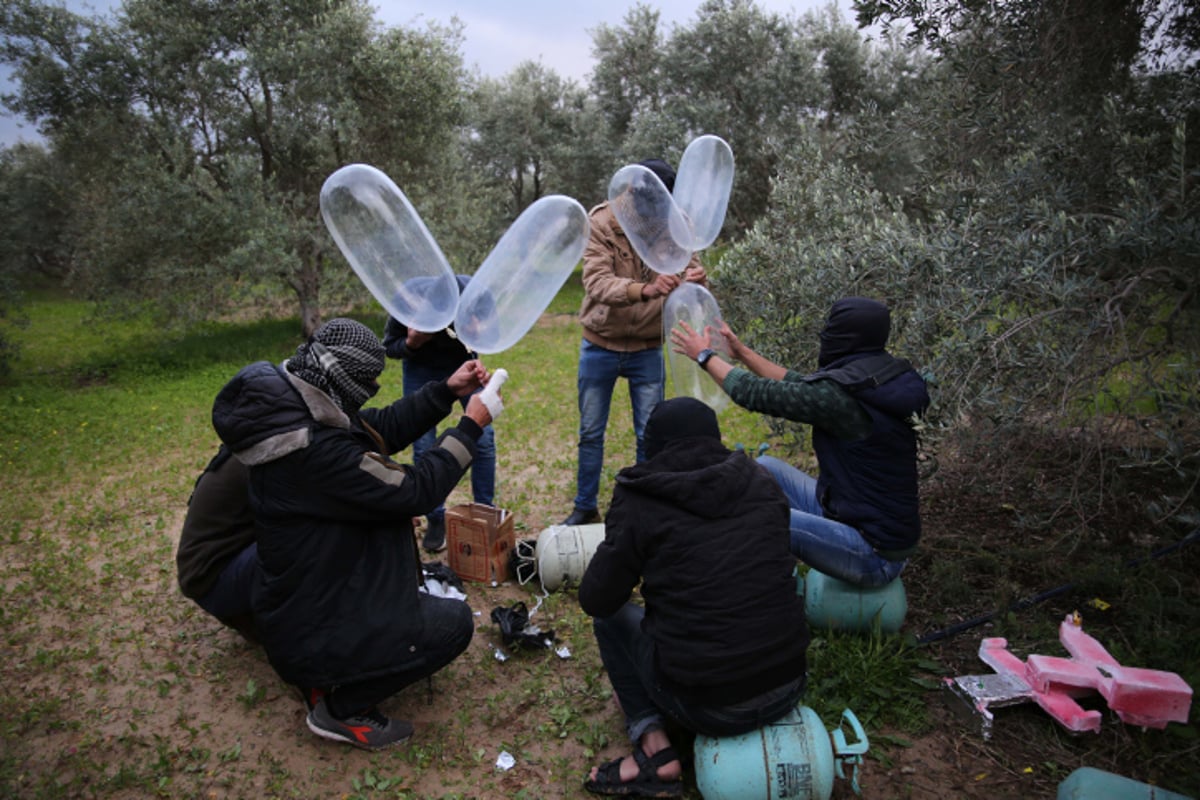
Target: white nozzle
491,393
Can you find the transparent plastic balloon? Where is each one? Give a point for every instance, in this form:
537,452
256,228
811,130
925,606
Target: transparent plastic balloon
702,187
695,305
382,236
524,272
653,223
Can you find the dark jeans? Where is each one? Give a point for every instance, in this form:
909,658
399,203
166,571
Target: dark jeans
230,595
483,468
628,656
449,625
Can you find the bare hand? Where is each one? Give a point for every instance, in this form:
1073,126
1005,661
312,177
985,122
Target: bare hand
414,339
689,342
470,376
695,275
736,348
661,286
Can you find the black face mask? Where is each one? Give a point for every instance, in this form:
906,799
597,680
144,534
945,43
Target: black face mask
854,325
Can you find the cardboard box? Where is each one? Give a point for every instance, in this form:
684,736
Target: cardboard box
479,541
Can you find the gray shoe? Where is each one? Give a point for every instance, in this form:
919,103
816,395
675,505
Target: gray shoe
435,535
370,730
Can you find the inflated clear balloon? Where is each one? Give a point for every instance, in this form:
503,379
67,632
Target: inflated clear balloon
695,305
653,223
519,278
702,187
392,252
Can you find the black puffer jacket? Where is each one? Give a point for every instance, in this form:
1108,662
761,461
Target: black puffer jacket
338,601
705,530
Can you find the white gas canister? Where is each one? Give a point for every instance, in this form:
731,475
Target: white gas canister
563,553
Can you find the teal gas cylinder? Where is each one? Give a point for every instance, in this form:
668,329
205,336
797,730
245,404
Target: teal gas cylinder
836,605
791,758
1088,783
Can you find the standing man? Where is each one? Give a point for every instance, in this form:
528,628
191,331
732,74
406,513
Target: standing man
430,357
621,315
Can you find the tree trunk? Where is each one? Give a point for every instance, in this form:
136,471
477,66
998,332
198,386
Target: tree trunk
307,284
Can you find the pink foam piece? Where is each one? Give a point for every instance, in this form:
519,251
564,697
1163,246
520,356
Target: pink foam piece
1058,704
1147,697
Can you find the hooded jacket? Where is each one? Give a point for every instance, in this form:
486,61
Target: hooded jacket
338,600
870,483
863,437
705,532
613,313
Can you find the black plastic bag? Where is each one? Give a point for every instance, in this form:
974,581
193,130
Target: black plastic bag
516,630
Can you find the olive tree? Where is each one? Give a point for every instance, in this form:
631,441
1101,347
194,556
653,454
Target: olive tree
200,133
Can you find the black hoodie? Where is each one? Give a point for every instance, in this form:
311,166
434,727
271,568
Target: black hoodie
705,531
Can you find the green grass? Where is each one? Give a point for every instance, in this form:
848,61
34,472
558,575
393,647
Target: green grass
106,424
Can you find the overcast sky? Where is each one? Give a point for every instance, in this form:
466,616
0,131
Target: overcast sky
497,35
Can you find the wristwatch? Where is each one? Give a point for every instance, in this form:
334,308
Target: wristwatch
703,356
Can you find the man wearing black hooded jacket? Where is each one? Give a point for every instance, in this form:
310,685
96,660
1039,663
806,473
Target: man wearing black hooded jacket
719,646
337,605
859,519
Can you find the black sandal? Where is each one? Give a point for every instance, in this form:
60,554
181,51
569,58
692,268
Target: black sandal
646,784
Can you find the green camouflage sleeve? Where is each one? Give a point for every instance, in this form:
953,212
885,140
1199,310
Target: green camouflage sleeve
822,403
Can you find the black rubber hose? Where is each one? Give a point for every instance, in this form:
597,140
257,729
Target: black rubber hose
1021,605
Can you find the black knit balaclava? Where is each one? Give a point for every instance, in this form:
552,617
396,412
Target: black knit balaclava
854,325
679,418
342,358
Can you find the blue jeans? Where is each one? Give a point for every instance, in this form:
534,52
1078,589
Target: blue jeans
599,369
628,656
483,468
824,544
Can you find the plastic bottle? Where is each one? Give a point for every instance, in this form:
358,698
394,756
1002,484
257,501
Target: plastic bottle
1089,783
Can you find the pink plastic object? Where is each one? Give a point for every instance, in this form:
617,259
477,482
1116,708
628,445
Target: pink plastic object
1146,697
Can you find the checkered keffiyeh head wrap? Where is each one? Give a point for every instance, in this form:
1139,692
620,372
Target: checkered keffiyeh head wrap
343,358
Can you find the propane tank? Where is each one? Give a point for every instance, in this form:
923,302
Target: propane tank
837,605
791,758
563,552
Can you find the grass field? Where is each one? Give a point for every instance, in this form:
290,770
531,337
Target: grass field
116,686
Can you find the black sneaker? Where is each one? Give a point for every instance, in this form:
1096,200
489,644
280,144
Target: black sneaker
435,535
370,730
582,516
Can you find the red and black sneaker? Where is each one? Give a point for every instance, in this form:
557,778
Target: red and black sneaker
369,730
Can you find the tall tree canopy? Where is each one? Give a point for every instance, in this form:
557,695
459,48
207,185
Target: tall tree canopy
203,129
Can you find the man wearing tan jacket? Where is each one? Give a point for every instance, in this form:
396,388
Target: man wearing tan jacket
621,315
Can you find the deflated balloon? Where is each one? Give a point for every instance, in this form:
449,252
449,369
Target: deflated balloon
702,187
388,246
519,278
695,305
653,223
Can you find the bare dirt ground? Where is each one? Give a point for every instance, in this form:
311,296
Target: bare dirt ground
127,690
554,716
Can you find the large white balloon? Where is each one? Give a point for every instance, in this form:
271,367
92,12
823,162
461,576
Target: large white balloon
702,187
695,305
522,274
653,223
382,236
